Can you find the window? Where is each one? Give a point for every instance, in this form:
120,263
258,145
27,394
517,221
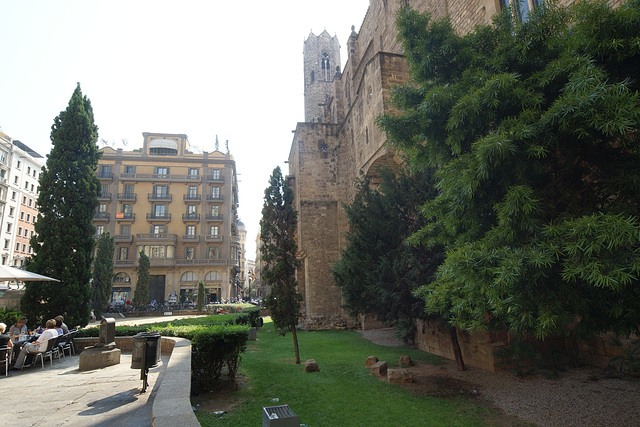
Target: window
524,6
19,231
214,230
26,185
127,190
30,202
215,192
32,187
161,191
123,253
17,246
157,251
190,252
29,248
6,243
192,211
194,171
215,174
191,230
102,208
26,233
193,192
129,169
213,252
9,227
161,170
11,210
160,211
125,229
212,275
127,209
28,217
105,171
24,200
15,179
104,190
13,195
326,67
34,173
24,247
3,159
18,164
158,229
22,216
188,276
214,210
99,229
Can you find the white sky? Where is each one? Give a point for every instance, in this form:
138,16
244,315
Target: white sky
232,68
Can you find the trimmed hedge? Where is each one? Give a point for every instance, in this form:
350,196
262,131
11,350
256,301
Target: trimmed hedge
216,341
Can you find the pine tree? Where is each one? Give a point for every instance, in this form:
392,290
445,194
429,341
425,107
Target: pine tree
141,295
534,128
103,273
278,250
64,242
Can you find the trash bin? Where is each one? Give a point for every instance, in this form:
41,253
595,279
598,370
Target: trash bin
279,416
145,350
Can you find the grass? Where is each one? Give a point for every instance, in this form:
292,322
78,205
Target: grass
343,393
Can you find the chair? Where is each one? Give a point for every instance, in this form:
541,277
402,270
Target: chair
5,358
62,344
52,349
69,344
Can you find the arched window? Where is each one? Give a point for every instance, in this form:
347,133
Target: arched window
188,276
212,276
326,67
121,278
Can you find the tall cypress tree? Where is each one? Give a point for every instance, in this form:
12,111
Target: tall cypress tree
141,295
103,273
277,229
64,241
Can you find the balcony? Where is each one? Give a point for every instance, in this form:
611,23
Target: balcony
127,197
213,238
159,197
189,238
214,218
101,216
211,178
165,217
191,197
106,176
104,197
201,262
124,217
190,217
123,238
123,263
156,237
211,198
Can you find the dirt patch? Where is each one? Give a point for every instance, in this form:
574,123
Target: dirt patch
222,398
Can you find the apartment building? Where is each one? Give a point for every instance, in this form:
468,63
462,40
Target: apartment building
179,207
20,169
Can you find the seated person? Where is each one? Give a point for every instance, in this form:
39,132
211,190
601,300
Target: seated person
39,345
60,324
19,328
5,340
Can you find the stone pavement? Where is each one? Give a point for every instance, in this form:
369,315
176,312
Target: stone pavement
64,396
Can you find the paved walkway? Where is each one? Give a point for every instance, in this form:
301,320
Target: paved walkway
64,396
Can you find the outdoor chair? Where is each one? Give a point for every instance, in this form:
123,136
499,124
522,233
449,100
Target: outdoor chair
69,344
63,342
5,358
52,350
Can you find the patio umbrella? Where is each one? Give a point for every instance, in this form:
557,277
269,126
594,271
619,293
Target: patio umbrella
12,273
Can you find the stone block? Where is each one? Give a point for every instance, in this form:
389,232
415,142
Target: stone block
91,359
405,361
379,368
311,366
399,376
371,360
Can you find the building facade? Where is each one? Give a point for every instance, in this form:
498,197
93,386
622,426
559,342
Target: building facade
20,169
180,208
339,137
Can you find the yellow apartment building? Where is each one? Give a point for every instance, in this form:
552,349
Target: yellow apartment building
179,207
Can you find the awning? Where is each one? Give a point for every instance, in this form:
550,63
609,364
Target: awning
120,289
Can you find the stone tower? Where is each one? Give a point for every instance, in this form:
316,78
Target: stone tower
321,66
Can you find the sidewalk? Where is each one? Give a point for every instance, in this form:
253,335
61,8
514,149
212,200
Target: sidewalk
64,396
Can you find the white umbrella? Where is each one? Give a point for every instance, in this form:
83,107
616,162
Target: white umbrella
12,273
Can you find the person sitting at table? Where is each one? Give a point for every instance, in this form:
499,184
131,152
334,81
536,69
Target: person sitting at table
5,340
60,324
39,345
19,328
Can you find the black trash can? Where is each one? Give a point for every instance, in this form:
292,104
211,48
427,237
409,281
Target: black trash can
145,350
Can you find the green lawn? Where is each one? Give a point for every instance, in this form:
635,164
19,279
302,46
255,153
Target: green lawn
343,393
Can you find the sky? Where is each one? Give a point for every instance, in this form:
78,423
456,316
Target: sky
201,68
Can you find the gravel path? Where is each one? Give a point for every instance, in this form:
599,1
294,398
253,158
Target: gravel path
570,400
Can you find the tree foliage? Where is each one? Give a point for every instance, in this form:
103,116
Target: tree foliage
103,273
64,240
278,251
201,296
378,270
141,294
534,129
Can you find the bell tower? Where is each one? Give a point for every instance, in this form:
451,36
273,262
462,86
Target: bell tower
321,66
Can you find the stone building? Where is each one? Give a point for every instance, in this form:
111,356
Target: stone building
339,137
180,208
